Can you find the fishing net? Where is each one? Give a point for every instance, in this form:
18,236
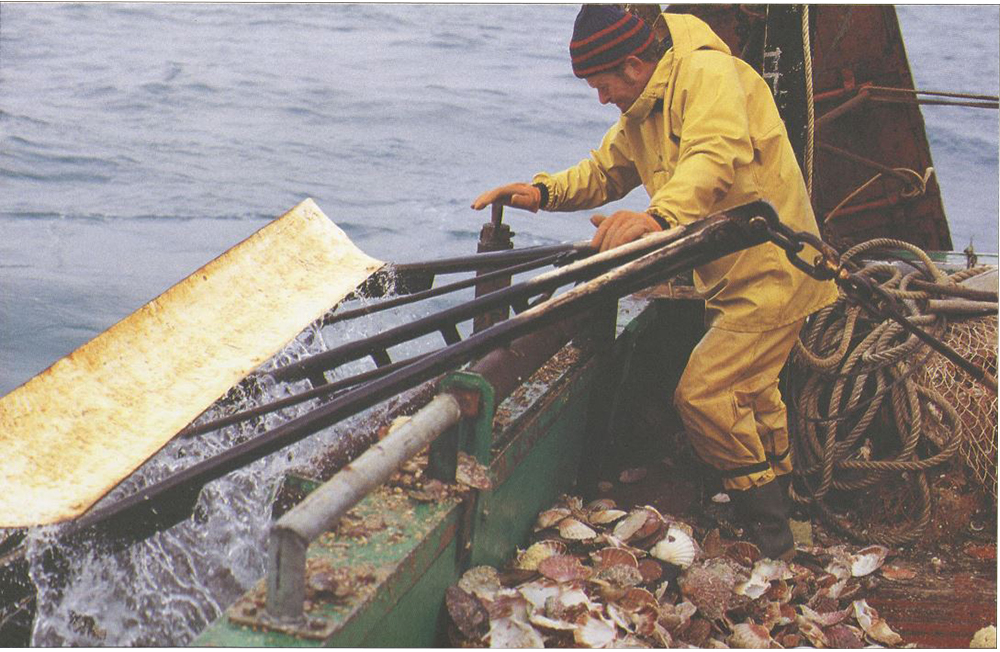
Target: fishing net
976,340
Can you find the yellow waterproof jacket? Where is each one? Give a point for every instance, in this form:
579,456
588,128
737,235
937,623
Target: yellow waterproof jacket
702,137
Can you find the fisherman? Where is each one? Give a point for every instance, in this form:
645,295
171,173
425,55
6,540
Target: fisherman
700,131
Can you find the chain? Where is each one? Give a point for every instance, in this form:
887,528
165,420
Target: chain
863,291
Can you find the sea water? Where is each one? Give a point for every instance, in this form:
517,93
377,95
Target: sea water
139,141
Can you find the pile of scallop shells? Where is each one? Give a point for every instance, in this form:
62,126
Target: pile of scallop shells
598,576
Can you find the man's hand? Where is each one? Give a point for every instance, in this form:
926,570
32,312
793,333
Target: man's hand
518,195
620,228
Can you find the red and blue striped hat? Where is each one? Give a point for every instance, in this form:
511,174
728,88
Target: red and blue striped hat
603,37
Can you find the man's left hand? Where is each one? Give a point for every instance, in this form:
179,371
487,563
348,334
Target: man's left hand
620,228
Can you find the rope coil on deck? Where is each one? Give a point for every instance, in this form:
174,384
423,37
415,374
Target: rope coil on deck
867,404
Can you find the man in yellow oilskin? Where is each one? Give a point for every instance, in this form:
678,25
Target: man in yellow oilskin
700,131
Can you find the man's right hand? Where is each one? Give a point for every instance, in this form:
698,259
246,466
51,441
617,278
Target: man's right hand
518,195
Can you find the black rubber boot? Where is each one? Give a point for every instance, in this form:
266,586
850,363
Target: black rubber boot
764,512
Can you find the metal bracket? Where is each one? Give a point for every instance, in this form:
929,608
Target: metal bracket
472,435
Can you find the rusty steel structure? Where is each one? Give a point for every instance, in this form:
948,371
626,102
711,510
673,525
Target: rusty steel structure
867,116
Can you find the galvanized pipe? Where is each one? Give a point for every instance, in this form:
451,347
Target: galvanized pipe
323,508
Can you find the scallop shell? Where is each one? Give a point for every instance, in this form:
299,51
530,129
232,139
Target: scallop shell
812,631
751,636
538,592
550,518
536,552
563,568
775,614
628,526
709,586
675,548
868,560
650,570
467,612
541,620
605,516
595,632
620,576
874,626
481,581
601,504
471,473
827,619
640,523
675,617
512,633
744,552
636,598
574,530
844,637
608,557
898,573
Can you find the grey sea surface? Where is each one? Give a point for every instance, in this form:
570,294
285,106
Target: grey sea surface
140,141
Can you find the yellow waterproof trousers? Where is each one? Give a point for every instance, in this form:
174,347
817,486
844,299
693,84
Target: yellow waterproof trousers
729,402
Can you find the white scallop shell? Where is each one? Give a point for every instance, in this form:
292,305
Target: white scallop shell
867,561
675,548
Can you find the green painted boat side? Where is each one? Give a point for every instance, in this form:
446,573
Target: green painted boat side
422,548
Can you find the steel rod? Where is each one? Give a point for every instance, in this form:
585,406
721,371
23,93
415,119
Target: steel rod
332,318
476,262
322,391
546,282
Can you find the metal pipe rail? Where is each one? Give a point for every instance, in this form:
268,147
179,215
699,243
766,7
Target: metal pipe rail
324,507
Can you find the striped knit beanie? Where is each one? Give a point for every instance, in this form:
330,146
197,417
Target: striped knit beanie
603,37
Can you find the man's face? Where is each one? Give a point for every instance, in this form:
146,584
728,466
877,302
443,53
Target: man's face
620,87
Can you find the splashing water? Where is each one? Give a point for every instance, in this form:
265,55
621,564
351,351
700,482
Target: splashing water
167,589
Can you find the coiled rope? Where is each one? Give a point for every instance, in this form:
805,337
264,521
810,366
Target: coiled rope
850,369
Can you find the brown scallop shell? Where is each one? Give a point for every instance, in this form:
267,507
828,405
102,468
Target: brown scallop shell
743,552
651,570
563,568
636,598
607,557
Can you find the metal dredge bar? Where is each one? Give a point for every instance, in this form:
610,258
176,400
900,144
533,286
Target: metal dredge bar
322,391
476,262
333,318
675,251
514,295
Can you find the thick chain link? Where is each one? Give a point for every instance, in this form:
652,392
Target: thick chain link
827,265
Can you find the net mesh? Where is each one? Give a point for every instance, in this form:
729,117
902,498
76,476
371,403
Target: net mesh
976,340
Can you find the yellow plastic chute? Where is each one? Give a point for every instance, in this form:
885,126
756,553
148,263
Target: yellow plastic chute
73,432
